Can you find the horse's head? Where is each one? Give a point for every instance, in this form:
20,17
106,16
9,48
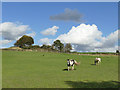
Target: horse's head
77,63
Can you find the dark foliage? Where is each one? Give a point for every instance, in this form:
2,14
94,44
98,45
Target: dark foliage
58,45
24,41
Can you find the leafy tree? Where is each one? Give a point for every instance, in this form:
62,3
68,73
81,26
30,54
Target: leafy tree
24,41
46,46
68,47
58,45
117,51
35,47
31,47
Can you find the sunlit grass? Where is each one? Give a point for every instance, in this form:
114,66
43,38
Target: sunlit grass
33,70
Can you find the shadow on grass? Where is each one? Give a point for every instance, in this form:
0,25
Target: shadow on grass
67,69
93,64
87,84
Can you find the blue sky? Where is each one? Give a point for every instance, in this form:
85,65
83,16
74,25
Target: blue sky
37,15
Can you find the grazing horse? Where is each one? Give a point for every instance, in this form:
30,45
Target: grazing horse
71,62
97,61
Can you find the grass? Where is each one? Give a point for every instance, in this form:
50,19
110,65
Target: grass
33,70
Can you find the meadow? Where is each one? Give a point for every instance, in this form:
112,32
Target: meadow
25,69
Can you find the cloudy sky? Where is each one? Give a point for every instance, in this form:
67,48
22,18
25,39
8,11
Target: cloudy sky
87,26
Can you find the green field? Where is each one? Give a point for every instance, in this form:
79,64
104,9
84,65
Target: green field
33,70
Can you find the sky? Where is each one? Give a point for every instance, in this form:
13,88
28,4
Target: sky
88,26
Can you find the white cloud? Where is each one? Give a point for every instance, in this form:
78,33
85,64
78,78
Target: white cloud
3,42
110,40
110,49
45,41
82,34
50,31
31,34
11,31
89,38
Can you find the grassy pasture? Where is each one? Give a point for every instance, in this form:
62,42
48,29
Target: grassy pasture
33,70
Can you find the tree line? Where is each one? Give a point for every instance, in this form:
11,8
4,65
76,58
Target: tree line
26,42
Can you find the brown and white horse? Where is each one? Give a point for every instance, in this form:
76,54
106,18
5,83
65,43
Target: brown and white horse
97,61
71,62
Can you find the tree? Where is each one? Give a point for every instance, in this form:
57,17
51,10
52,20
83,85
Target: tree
58,45
24,41
35,47
68,47
117,51
46,46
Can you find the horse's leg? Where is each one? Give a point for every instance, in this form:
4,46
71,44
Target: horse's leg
68,68
73,67
95,62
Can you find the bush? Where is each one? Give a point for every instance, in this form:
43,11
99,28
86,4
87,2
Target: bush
31,47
